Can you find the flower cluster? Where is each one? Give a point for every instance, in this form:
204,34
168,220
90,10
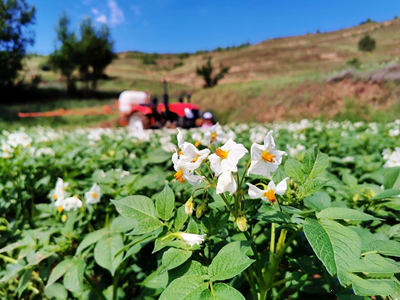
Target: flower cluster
68,203
223,163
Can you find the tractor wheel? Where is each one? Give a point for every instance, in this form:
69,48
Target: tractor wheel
138,121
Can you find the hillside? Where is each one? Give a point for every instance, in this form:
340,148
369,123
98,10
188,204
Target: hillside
278,79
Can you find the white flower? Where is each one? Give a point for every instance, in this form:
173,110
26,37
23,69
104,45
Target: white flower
294,151
269,193
180,138
214,134
348,159
71,203
191,238
182,173
59,192
19,138
264,158
45,151
227,157
6,149
93,195
193,157
226,183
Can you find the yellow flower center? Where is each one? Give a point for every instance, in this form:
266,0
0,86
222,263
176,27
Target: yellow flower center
213,137
221,153
180,153
60,209
178,175
271,196
94,195
6,151
195,159
197,143
268,156
182,180
55,196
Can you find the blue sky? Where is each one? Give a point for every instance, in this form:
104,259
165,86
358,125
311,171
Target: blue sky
173,26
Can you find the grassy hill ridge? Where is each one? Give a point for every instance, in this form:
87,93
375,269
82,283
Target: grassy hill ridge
278,79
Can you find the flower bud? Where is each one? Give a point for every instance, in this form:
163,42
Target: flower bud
293,184
201,209
64,218
189,206
242,223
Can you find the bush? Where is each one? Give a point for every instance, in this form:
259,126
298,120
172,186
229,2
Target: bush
150,59
182,55
354,62
366,43
44,66
178,64
206,71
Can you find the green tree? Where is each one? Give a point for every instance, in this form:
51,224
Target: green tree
64,59
95,51
366,43
16,16
206,71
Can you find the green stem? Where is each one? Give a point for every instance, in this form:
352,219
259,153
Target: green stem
253,288
95,288
272,243
228,205
8,259
244,174
279,282
277,296
274,264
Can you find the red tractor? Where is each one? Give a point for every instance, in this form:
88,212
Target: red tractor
137,111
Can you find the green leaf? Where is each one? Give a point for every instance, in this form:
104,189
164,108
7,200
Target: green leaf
311,186
268,214
318,201
190,267
374,265
345,214
106,249
59,271
34,258
387,194
23,281
165,203
122,224
173,258
92,238
215,221
185,288
337,246
180,217
371,287
391,179
158,156
387,248
192,227
136,207
228,264
350,180
222,291
56,291
11,272
73,279
396,292
314,162
295,170
146,226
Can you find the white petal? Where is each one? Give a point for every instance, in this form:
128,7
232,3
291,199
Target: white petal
281,187
226,183
180,138
269,142
271,185
255,192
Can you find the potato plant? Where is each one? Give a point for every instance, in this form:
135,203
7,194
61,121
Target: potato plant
275,211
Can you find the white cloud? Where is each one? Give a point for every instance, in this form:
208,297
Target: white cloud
95,11
136,10
116,14
101,19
